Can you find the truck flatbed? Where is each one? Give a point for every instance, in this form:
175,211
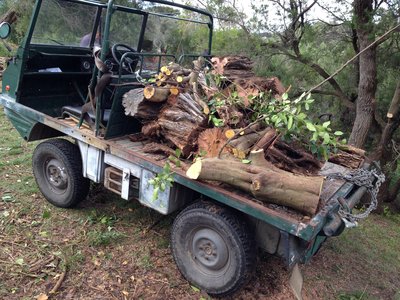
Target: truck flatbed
281,217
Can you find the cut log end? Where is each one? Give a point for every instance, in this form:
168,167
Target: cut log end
194,171
156,94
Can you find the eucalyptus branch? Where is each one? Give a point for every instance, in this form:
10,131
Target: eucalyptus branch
376,42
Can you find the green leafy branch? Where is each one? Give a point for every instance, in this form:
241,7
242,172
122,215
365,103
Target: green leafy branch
291,120
165,178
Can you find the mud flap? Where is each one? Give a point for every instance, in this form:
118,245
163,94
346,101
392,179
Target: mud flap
296,282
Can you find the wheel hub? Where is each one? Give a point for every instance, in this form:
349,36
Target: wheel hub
209,250
56,174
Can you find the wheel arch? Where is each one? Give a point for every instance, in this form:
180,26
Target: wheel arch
41,131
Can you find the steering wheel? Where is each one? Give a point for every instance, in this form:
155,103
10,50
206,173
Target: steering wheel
128,63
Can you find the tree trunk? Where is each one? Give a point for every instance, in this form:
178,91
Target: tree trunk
384,150
365,105
266,184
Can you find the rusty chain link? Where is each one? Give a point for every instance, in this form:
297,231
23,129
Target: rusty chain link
372,180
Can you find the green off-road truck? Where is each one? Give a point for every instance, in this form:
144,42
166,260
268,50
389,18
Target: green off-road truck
59,68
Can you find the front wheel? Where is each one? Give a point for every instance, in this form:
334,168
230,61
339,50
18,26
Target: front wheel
213,248
57,167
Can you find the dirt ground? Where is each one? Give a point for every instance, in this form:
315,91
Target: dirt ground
108,248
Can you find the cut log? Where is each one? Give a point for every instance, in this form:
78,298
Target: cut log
233,67
158,149
178,70
292,158
349,160
267,185
156,94
194,76
136,106
252,86
242,145
352,150
210,142
151,129
230,115
182,122
222,64
267,140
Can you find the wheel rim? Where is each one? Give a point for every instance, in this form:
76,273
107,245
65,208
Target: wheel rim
209,251
56,175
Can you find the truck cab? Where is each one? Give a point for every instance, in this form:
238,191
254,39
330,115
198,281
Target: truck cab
79,52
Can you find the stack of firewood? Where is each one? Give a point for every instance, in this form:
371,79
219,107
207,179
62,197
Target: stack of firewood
177,107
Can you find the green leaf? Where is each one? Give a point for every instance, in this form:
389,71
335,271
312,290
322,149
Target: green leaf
327,138
338,133
19,261
155,193
284,118
310,126
290,122
285,96
163,186
314,137
314,148
306,106
196,289
326,124
246,161
203,153
301,116
178,152
7,198
46,214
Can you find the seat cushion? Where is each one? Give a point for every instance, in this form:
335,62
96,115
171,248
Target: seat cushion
77,112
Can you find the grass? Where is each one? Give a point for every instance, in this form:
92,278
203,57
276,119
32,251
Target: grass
109,246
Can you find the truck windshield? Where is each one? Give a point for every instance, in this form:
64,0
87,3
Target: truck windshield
125,28
64,23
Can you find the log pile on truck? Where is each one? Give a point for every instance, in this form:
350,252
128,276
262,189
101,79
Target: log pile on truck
238,129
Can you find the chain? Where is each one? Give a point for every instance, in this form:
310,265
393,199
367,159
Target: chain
372,180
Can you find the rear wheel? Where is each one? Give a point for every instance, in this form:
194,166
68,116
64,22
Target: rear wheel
212,248
57,166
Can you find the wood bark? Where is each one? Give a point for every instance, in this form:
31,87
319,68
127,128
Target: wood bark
229,65
292,158
231,116
181,123
384,150
365,106
266,141
266,184
254,85
345,159
136,106
242,145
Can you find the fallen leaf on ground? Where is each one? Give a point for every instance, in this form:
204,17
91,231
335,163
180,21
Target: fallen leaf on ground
42,297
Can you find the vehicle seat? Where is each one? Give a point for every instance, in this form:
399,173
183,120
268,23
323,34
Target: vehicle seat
76,111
